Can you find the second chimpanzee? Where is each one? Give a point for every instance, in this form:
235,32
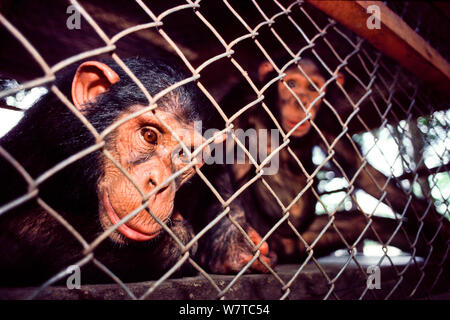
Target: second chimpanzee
296,101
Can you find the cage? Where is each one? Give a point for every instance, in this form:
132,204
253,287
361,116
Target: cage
350,204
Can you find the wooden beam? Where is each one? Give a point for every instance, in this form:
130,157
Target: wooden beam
395,39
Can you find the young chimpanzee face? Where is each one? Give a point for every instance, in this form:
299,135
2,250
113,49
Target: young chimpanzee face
296,95
147,151
291,111
150,155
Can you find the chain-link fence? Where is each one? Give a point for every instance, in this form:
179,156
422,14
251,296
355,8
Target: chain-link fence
366,175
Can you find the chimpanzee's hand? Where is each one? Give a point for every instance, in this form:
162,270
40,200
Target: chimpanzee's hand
230,251
171,252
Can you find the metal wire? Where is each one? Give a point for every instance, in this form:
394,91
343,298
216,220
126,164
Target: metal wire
379,92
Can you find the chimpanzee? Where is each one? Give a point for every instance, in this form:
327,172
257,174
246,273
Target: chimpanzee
91,193
295,101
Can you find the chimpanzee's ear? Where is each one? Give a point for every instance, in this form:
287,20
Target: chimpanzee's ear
91,79
340,78
263,70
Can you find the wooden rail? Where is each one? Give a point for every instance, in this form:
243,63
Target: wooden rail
395,39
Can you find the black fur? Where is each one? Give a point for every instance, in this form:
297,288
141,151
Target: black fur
33,245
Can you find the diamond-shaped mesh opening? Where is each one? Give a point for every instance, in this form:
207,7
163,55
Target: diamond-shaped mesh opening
317,211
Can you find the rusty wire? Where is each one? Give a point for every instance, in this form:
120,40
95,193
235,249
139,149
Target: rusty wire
382,78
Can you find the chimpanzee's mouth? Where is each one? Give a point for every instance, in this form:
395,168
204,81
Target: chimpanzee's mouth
124,229
290,124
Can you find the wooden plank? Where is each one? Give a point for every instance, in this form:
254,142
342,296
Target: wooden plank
395,39
310,284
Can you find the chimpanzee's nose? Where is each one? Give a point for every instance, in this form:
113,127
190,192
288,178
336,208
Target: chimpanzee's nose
157,178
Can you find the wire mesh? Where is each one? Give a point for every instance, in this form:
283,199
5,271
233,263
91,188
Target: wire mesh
392,131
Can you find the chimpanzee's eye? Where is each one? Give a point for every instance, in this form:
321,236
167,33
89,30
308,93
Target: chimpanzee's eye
149,135
292,83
